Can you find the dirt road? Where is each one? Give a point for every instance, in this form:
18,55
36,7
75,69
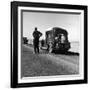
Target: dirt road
45,64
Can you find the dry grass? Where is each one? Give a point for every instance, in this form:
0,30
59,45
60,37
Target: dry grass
41,65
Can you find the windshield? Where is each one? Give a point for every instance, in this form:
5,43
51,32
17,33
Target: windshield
61,38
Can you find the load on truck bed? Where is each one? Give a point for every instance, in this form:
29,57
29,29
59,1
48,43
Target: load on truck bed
57,40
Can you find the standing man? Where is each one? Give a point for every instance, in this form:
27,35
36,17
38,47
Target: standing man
36,35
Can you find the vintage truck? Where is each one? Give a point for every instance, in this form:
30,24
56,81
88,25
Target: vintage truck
57,40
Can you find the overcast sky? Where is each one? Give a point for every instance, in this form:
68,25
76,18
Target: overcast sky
43,21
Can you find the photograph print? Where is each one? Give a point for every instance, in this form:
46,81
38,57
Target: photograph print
51,46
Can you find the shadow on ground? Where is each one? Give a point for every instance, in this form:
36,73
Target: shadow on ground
67,53
44,50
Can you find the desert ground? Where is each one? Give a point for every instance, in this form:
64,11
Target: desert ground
47,64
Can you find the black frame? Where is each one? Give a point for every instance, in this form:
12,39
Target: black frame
14,44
